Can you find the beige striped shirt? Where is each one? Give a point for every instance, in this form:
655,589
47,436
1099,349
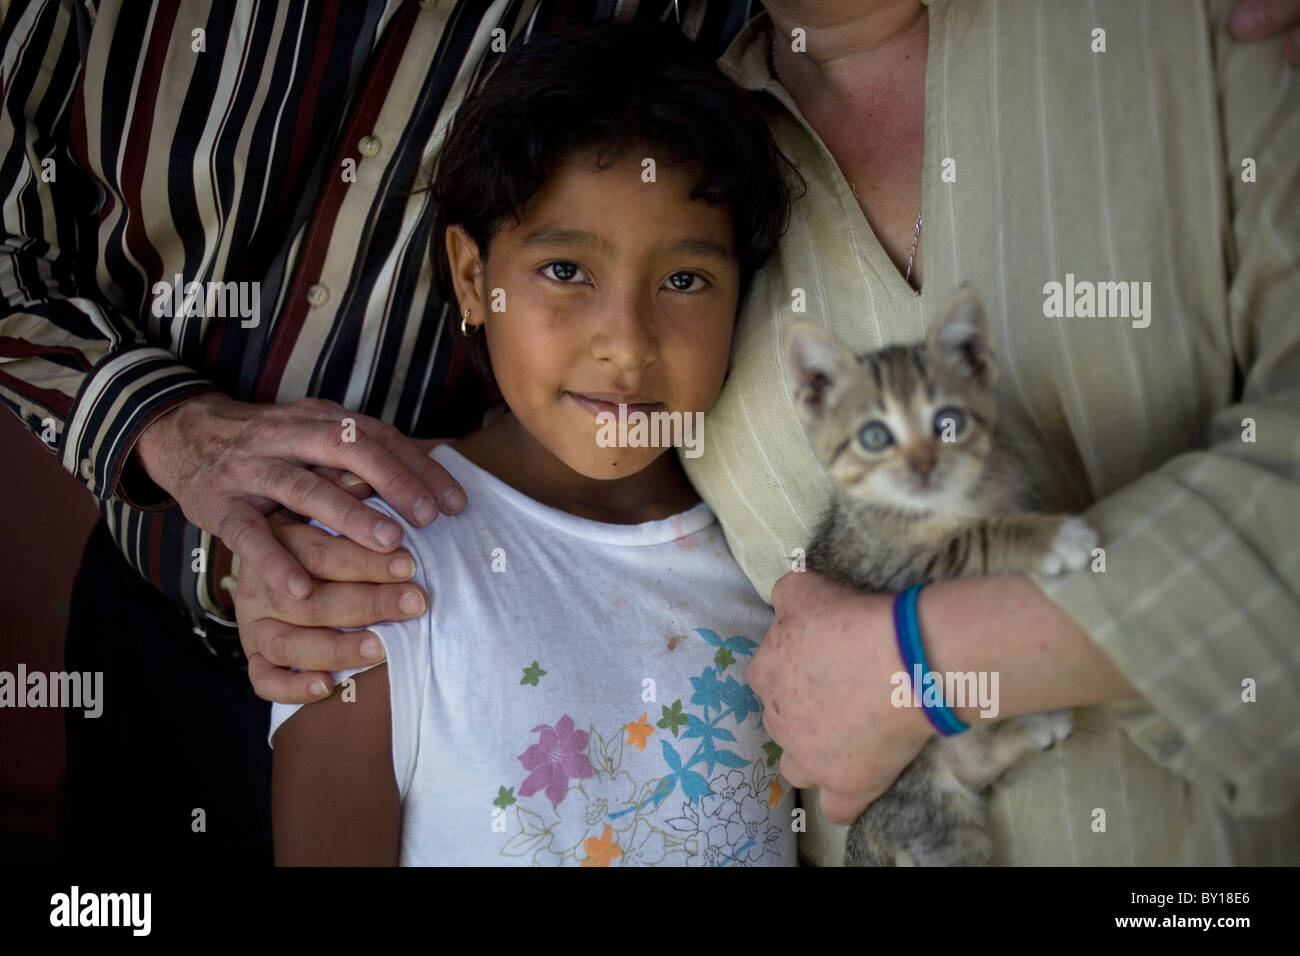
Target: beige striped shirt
1124,165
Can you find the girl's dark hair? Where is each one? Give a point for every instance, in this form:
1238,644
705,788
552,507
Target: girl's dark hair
609,88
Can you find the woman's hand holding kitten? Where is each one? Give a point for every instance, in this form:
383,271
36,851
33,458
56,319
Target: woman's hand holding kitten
824,673
821,666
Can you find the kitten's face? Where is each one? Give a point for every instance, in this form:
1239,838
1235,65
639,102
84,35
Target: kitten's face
907,427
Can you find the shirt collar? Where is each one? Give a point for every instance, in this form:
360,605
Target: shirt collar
746,58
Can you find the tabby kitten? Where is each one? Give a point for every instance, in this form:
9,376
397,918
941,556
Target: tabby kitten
925,492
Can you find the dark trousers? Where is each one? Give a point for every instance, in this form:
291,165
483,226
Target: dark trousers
180,732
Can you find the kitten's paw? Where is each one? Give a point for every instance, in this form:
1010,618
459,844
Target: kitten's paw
1050,728
1071,549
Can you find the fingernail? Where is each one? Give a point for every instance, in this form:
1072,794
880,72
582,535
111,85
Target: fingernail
412,602
350,479
372,649
425,511
386,532
318,689
452,500
401,568
299,586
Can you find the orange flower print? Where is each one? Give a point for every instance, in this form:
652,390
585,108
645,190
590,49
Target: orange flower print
638,732
603,851
775,792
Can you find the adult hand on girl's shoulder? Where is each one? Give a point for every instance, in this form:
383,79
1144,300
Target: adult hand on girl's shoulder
824,673
354,587
359,489
228,463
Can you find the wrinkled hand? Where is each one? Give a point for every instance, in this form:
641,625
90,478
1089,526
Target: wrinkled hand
823,673
1259,19
228,464
357,487
280,633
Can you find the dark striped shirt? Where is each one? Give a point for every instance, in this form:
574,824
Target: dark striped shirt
282,144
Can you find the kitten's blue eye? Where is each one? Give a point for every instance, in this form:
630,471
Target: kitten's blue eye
678,285
875,436
944,416
561,271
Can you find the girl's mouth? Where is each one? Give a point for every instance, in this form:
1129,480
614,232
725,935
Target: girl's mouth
609,402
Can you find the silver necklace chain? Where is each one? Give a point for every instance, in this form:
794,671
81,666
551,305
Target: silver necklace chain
916,237
916,233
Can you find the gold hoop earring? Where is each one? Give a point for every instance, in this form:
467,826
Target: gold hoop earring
464,329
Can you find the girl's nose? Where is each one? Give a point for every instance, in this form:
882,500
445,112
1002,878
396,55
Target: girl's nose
624,334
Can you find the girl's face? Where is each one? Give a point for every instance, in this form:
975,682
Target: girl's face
610,289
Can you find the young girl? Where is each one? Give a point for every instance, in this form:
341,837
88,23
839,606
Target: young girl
576,694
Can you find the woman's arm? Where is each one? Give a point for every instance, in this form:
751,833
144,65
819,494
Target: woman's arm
1006,625
824,672
334,798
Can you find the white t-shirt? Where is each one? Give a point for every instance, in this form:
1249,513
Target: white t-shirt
576,694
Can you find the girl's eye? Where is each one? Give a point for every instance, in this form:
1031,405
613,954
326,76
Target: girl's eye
683,281
949,421
875,436
561,271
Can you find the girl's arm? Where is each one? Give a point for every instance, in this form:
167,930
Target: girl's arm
334,799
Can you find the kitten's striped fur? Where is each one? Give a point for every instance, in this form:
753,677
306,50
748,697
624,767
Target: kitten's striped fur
918,508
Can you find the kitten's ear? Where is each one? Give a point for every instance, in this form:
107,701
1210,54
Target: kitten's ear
962,337
818,366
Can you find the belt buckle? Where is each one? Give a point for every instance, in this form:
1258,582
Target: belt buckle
210,622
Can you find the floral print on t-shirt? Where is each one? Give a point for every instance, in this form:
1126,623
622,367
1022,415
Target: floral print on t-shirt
713,802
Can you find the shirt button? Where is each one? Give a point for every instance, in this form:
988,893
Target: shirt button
318,295
427,4
369,146
88,470
24,412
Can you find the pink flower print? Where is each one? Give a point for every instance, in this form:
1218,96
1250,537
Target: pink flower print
554,759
